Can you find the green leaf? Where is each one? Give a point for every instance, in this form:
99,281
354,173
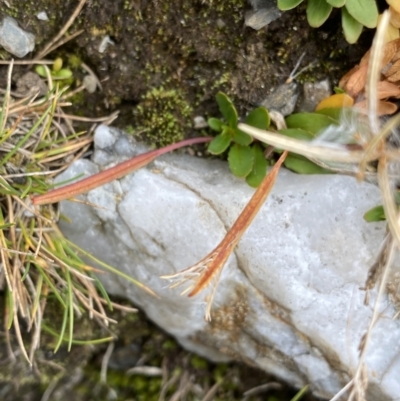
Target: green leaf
297,133
41,70
317,12
259,169
338,90
351,28
333,112
64,73
336,3
364,11
57,65
240,159
375,214
288,4
219,144
215,124
227,109
311,122
258,118
301,165
241,137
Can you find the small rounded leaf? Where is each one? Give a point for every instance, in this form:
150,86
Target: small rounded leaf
258,118
301,165
375,214
288,4
240,159
64,73
351,28
318,12
364,11
41,70
241,137
215,124
57,65
227,109
259,170
336,3
219,144
311,122
334,101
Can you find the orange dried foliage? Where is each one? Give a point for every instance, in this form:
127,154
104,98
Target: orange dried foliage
394,18
355,80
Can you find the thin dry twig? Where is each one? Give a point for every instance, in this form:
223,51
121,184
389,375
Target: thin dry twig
60,34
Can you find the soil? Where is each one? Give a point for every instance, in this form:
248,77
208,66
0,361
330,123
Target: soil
169,58
166,62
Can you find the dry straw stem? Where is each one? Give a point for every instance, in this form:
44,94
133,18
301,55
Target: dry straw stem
38,140
209,268
52,45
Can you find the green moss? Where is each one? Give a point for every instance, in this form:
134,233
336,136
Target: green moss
74,61
198,362
163,116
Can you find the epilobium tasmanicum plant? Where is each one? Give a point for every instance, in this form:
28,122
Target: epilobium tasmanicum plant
246,159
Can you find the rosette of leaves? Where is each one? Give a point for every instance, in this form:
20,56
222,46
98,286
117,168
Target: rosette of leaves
246,159
57,72
355,14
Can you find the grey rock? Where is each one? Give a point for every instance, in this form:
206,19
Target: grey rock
282,99
263,13
31,84
14,39
313,93
289,298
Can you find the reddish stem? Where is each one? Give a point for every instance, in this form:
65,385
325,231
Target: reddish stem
113,173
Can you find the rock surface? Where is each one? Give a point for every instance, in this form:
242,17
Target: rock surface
14,39
263,13
289,298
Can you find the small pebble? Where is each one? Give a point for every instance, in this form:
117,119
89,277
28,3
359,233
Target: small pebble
263,13
313,93
14,39
261,18
199,122
42,16
104,44
105,137
283,99
90,83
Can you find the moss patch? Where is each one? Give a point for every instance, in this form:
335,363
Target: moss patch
163,117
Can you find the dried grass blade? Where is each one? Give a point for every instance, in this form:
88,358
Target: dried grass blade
210,267
19,337
110,174
372,146
239,227
6,101
112,269
374,71
25,137
389,203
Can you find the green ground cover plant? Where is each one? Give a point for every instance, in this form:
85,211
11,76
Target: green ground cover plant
355,14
